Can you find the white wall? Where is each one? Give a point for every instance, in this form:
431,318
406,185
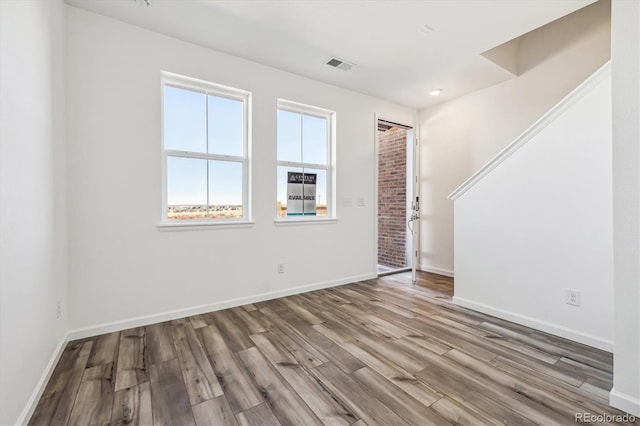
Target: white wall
122,266
625,58
541,222
460,136
32,207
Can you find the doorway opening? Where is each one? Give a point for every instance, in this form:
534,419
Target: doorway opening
395,193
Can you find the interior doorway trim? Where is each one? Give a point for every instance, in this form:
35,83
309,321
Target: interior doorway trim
382,124
386,124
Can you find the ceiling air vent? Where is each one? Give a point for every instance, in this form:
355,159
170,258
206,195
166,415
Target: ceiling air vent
340,64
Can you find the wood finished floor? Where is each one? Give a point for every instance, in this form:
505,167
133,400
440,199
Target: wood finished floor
375,352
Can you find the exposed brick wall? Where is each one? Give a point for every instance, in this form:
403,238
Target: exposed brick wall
392,197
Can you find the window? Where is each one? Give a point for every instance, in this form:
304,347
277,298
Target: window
305,161
205,151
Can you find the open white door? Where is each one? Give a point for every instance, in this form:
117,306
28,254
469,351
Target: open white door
413,222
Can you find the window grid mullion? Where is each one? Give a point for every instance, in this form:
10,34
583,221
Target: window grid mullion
209,89
206,102
328,165
302,155
303,165
204,156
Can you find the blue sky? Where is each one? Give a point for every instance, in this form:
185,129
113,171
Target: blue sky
292,129
185,121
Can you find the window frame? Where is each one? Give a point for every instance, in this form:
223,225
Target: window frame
330,167
218,90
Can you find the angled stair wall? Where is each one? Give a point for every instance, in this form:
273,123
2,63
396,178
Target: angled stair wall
537,221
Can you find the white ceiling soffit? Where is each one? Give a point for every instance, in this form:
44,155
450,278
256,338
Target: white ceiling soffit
403,49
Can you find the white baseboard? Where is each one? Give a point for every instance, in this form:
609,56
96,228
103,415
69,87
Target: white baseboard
80,333
557,330
627,403
619,400
434,270
30,408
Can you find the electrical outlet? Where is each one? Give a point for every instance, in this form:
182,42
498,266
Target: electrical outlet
58,309
360,201
281,268
573,297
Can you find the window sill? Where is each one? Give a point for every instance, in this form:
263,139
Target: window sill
297,221
195,226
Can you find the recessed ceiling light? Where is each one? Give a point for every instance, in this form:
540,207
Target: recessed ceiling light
435,92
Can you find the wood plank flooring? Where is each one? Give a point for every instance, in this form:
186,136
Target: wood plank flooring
382,352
